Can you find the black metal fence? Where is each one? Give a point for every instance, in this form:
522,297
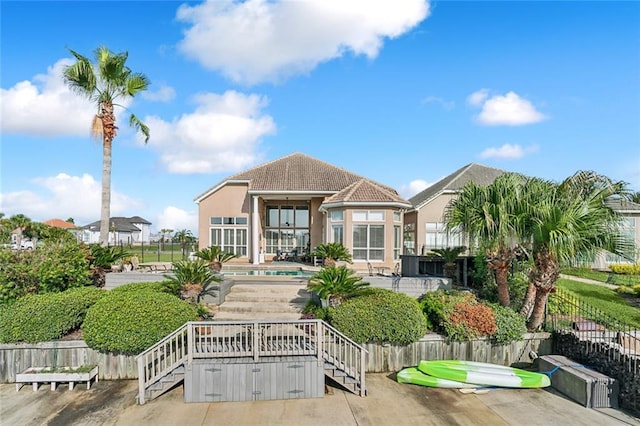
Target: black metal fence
159,251
592,337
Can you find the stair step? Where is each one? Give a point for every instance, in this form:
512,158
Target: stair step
241,307
245,316
269,288
265,298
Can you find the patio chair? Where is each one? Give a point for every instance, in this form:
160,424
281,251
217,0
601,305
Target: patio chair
293,254
279,255
370,269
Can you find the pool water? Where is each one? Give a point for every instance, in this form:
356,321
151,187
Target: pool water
269,272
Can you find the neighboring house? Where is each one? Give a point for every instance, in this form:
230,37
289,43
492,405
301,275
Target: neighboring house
631,227
122,230
297,202
72,227
424,224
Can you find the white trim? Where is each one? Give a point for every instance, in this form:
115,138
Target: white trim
325,206
255,250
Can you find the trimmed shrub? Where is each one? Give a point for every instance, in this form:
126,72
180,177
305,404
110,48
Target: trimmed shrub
381,316
44,317
313,310
129,322
511,325
157,286
458,315
625,268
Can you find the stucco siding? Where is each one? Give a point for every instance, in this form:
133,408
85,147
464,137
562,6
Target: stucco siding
230,200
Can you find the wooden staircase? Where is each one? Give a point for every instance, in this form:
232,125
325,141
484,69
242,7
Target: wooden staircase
163,366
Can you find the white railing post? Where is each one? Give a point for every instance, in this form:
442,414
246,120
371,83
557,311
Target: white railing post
319,339
190,344
363,366
141,380
256,341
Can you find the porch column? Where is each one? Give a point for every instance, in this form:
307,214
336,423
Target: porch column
255,223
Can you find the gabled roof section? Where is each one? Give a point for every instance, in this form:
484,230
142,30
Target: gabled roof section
295,172
623,206
59,223
366,191
481,175
119,224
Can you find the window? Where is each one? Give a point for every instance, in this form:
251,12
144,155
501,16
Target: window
337,234
368,242
436,237
397,242
217,220
368,216
287,228
231,240
397,217
337,215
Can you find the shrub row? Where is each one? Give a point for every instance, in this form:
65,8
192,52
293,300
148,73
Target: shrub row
625,268
43,317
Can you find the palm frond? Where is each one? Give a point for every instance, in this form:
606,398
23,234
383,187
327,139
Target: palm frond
140,126
136,83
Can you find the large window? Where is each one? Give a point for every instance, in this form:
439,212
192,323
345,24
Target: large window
337,234
231,240
287,228
437,237
368,242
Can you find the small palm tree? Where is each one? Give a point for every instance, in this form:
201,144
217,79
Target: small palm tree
331,253
184,237
106,83
449,255
215,256
192,279
335,284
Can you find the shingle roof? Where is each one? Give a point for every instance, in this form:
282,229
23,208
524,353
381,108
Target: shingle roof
620,205
366,191
481,175
121,224
295,172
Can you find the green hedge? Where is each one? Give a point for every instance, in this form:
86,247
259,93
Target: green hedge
44,317
129,322
157,286
380,316
511,325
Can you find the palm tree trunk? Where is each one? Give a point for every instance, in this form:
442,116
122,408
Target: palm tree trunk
500,262
108,120
544,275
529,301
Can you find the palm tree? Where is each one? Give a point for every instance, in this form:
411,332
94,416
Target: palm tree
20,223
215,257
331,253
335,284
450,256
184,237
493,217
106,82
192,279
572,218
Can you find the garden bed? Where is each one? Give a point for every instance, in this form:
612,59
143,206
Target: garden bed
37,375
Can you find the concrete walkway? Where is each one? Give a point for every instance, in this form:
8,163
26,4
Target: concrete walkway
588,281
388,403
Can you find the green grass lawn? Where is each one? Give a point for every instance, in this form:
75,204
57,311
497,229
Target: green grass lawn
605,299
602,276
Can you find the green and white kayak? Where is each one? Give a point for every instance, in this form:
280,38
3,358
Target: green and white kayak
484,374
414,376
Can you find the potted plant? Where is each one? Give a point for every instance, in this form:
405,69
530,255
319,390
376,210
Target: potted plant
449,255
335,284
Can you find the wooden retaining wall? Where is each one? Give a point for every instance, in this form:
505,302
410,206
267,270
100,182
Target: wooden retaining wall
381,358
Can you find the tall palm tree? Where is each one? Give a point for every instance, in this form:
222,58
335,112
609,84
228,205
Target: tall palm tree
184,237
492,216
105,83
572,218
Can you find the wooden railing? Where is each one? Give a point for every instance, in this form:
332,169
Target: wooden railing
254,339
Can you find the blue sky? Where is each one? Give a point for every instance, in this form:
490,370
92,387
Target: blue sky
403,93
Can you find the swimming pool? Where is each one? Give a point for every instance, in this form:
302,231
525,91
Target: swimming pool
269,272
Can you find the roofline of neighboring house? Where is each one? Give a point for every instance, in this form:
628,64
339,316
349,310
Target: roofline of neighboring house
324,206
218,186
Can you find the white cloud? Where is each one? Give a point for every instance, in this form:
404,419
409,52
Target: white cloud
63,196
508,151
445,104
259,40
476,98
507,110
163,94
45,106
414,187
221,135
177,219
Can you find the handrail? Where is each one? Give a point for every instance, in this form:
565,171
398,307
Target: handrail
160,359
250,339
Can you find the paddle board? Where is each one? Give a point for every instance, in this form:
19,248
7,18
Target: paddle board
414,376
484,374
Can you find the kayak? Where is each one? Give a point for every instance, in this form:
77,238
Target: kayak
414,376
484,374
